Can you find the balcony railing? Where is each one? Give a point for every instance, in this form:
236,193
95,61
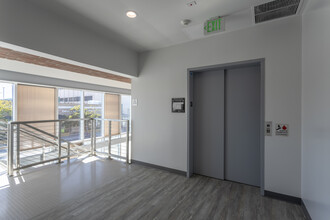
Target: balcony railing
32,143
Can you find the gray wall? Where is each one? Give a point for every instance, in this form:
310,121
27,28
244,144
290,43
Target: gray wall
316,111
24,24
160,137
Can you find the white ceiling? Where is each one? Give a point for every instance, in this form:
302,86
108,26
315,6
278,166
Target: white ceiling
158,22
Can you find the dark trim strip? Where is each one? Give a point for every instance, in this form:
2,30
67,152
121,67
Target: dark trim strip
307,215
283,197
160,167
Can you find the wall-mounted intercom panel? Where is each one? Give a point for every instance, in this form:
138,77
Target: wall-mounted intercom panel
178,105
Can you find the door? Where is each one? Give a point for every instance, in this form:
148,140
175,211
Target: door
242,125
208,123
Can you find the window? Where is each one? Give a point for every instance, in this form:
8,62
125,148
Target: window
6,114
72,104
6,102
125,111
93,108
69,104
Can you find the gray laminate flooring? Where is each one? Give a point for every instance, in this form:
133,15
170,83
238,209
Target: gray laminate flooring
148,193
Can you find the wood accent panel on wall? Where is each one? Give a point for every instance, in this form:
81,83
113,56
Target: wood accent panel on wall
41,61
112,111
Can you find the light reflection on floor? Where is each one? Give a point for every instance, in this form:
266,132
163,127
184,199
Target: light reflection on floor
38,189
4,182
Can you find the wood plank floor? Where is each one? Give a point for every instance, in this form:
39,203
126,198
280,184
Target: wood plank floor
148,193
39,189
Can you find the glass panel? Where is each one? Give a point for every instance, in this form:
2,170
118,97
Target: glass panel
93,109
125,111
69,108
6,102
6,114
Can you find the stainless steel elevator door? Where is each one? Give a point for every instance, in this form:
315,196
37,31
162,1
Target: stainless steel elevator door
208,123
242,125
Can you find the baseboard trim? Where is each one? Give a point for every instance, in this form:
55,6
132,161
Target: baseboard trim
307,215
283,197
160,167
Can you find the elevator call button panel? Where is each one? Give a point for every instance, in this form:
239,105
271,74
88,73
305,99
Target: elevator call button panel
268,128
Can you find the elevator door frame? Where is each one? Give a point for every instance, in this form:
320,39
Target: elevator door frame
190,71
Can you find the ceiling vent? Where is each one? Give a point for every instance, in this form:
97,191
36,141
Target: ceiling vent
275,9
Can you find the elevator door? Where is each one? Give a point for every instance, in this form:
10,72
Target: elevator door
208,123
242,125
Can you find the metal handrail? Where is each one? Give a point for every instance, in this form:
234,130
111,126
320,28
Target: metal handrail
45,133
36,136
128,158
57,139
41,131
48,134
114,120
47,121
26,123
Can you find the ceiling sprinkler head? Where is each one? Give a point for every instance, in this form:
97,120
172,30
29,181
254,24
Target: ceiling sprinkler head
185,22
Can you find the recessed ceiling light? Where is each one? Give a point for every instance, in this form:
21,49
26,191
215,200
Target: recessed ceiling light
131,14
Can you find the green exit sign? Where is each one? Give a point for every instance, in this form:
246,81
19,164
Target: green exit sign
214,25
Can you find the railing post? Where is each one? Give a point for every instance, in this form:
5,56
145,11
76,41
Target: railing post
59,142
109,146
10,161
17,146
128,158
92,137
69,149
94,140
43,153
